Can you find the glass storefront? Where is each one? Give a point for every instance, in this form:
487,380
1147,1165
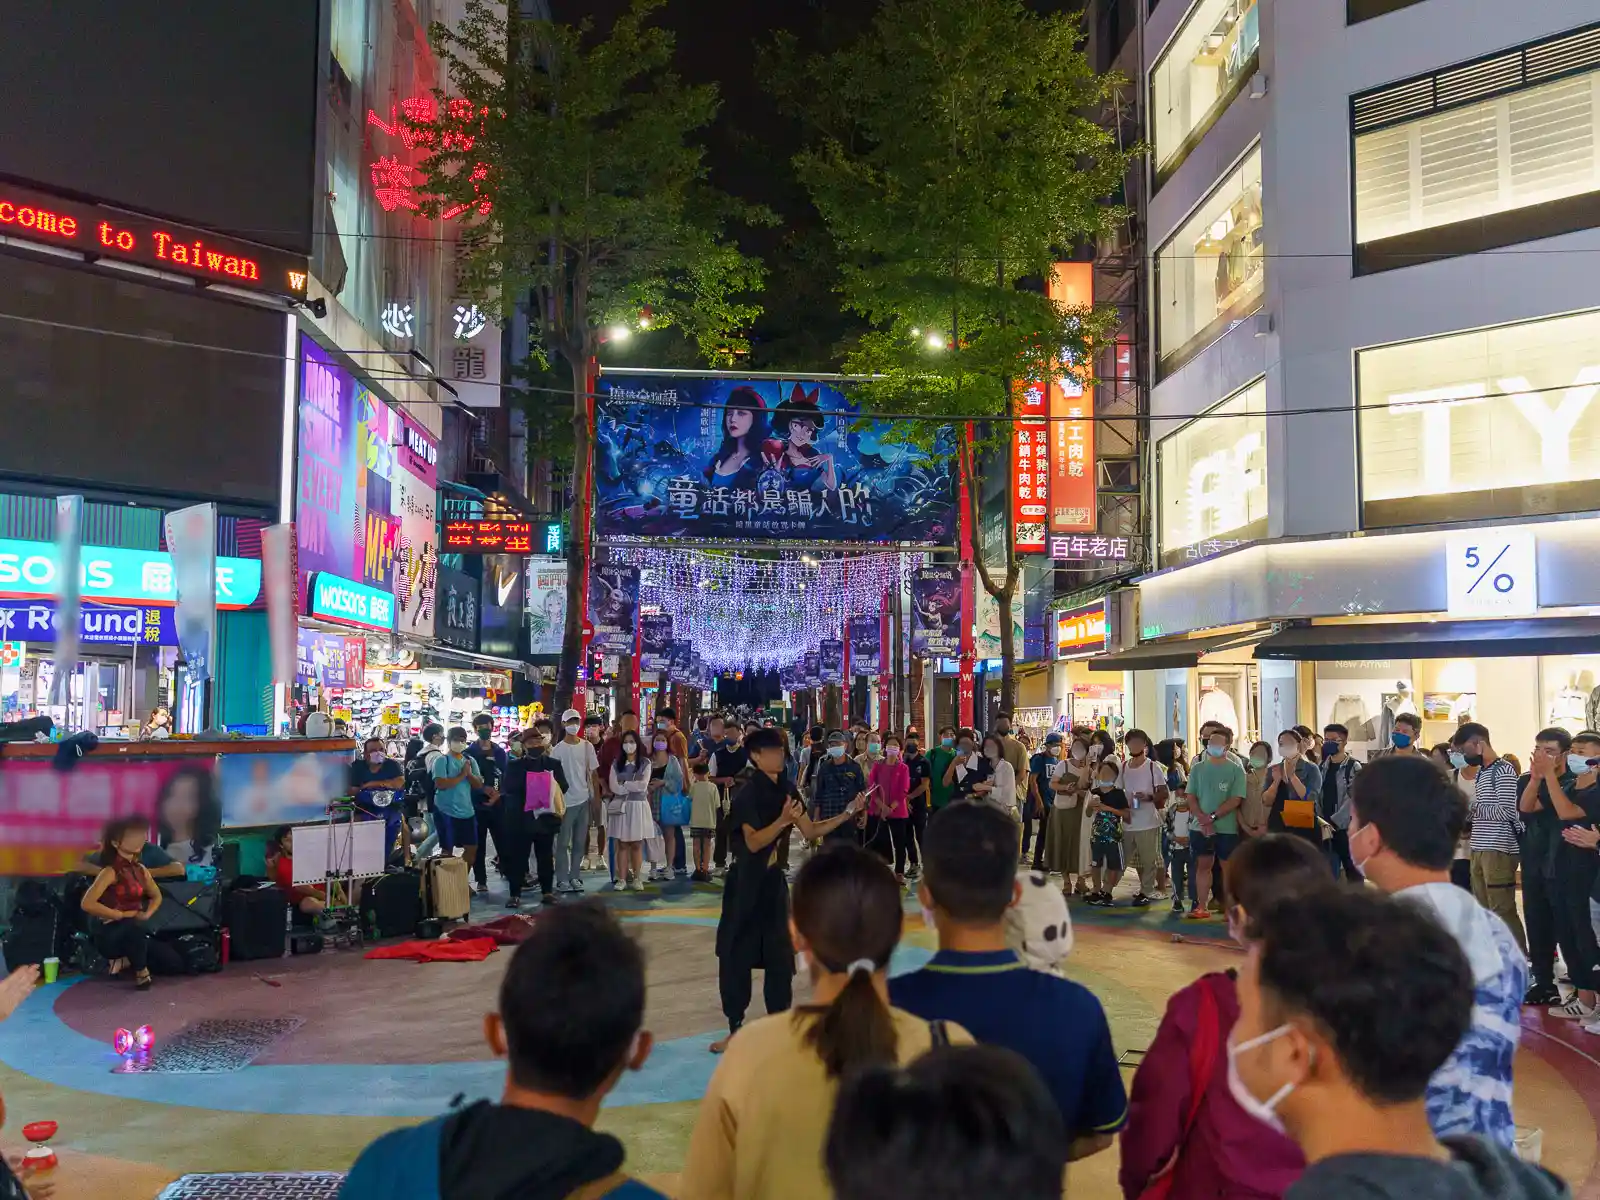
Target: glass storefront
1514,151
1204,66
1212,475
1213,271
1492,423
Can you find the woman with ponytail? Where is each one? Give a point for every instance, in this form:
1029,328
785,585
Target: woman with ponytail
762,1124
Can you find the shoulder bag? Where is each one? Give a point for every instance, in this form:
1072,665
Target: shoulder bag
1203,1051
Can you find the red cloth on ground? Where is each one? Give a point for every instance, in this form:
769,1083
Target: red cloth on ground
509,930
470,950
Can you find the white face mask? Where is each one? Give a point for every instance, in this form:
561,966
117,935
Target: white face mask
456,747
1079,754
1264,1111
572,727
1288,751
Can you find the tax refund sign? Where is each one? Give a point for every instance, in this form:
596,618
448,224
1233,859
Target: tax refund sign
346,602
29,569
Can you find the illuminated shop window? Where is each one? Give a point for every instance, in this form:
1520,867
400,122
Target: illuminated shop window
1494,423
1213,270
1202,69
1213,479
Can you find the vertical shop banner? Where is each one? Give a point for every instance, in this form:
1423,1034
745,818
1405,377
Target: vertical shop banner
278,579
1030,467
655,643
614,607
547,606
830,660
1073,503
457,623
69,547
866,650
416,567
320,659
501,614
326,510
936,612
698,672
811,667
192,542
681,661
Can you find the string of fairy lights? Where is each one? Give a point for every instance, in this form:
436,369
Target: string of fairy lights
762,614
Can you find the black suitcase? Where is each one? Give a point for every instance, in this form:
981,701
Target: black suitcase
198,953
186,908
40,928
391,905
256,918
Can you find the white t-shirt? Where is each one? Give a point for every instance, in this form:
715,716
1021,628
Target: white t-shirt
576,760
1146,777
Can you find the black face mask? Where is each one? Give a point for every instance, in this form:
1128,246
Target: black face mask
1474,760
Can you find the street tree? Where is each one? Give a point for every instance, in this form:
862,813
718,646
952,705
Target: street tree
573,153
954,158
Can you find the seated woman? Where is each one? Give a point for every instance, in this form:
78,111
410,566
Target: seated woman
123,895
307,900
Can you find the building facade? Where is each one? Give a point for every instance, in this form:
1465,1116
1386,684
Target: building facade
1375,343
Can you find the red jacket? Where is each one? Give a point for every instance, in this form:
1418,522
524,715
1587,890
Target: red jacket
1228,1153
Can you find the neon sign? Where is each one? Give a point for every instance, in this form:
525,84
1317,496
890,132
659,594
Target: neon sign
100,233
350,603
28,569
392,179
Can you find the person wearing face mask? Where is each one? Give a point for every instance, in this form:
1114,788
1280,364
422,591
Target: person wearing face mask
669,799
1348,1005
1556,876
869,751
968,769
454,777
606,754
920,773
1253,811
1144,782
628,819
1070,789
530,820
378,786
1013,751
888,783
1339,770
1406,739
728,766
580,762
491,761
940,757
1107,812
1405,818
1217,788
1207,1144
1496,851
1294,786
1036,807
839,783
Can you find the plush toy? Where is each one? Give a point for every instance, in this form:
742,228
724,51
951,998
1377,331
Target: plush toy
1038,926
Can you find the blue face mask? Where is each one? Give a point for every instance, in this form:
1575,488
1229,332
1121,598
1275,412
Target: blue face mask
1216,751
947,741
835,751
1401,740
1457,759
1577,763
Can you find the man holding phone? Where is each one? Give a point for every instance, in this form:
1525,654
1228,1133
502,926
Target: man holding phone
1145,783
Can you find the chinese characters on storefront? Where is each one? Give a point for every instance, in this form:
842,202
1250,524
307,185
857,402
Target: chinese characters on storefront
1030,468
1072,463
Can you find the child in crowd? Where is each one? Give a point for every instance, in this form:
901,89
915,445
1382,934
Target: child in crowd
1108,812
704,798
1177,826
538,1142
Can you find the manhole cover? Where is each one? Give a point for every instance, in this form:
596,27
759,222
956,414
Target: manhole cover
289,1185
208,1047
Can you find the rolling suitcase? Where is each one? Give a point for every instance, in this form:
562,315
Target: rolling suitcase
449,895
256,917
187,906
391,905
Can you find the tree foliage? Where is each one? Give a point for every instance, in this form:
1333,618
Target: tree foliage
577,154
954,158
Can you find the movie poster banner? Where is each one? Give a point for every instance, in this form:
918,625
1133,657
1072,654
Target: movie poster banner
547,606
936,612
614,607
725,458
830,660
865,640
681,661
655,643
810,669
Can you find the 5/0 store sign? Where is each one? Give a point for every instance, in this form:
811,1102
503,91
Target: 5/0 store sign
1492,574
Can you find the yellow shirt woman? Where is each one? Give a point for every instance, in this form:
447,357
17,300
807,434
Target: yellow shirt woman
762,1124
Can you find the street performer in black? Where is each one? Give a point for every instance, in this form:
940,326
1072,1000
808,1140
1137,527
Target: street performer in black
753,931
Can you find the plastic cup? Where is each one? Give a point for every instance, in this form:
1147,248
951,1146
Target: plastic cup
51,968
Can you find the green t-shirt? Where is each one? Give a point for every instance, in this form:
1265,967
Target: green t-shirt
938,760
1211,782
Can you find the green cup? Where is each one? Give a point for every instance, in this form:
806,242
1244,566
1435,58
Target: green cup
51,968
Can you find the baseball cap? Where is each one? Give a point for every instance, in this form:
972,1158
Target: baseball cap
571,714
836,738
1054,739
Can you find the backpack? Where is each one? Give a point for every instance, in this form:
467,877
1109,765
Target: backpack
419,777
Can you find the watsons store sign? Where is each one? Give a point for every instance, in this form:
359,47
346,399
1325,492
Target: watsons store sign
350,603
28,569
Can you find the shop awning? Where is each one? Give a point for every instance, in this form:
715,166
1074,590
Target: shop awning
1526,637
1155,656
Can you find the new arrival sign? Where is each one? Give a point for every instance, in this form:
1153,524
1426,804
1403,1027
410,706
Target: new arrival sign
349,603
28,569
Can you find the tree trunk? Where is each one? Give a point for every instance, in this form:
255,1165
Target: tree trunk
1003,590
577,542
1008,645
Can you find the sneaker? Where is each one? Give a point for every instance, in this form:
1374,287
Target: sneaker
514,902
483,889
575,885
1592,1025
1141,901
1198,914
1572,1010
1541,995
1177,907
636,886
